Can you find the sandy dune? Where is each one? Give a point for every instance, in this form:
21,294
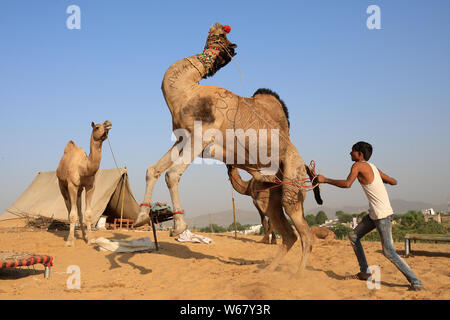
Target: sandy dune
225,269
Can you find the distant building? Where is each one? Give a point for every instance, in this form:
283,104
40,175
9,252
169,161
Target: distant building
253,229
329,223
430,214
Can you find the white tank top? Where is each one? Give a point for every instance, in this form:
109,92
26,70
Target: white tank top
379,204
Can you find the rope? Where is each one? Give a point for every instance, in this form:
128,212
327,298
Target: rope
301,184
110,148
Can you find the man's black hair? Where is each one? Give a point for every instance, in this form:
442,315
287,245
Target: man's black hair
363,147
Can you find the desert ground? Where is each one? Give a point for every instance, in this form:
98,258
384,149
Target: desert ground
225,269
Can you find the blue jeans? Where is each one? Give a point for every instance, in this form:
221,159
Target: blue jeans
384,227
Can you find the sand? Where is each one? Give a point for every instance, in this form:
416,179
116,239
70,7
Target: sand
225,269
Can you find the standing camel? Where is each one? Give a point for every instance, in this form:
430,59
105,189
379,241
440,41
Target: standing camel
77,171
220,110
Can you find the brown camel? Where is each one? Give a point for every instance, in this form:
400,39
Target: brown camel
77,171
261,118
259,191
323,233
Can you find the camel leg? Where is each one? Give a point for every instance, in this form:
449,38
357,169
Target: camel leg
88,213
173,176
271,231
288,236
65,194
292,201
152,175
278,220
73,195
265,225
80,213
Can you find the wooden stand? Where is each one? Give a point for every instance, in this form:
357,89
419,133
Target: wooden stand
118,222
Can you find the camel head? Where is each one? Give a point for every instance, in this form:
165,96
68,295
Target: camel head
100,130
218,48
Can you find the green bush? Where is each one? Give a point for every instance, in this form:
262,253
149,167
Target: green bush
344,217
412,219
215,229
340,230
311,219
321,217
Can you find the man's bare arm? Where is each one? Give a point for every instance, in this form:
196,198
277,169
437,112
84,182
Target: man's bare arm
342,183
387,179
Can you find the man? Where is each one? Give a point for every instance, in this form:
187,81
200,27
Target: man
380,211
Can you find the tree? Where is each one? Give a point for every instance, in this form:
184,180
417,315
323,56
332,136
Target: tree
412,219
215,228
311,219
239,226
344,217
321,217
340,230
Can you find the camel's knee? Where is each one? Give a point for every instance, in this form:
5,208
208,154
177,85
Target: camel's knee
87,218
172,178
152,173
72,217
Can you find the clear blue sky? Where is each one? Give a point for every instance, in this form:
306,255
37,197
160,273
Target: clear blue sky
341,82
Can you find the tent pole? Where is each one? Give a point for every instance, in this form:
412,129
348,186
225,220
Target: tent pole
123,196
234,218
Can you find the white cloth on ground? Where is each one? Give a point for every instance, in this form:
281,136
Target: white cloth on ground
188,236
115,245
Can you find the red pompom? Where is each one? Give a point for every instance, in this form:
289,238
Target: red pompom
227,28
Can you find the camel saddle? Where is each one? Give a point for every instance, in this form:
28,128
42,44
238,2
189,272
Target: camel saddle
161,212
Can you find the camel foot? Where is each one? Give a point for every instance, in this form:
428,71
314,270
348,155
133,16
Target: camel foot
143,218
178,230
179,226
264,240
272,266
70,243
299,274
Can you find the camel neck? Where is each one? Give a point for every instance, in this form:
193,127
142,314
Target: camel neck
180,79
95,156
238,184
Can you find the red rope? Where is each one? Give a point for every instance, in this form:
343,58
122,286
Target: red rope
301,184
178,212
145,204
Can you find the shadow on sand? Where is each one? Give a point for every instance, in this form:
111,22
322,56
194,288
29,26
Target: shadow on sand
333,275
19,273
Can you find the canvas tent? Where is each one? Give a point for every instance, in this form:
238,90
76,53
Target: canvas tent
43,198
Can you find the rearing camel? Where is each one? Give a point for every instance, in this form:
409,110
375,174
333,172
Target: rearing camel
261,118
77,171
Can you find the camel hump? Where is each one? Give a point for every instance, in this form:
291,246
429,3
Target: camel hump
269,92
70,146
